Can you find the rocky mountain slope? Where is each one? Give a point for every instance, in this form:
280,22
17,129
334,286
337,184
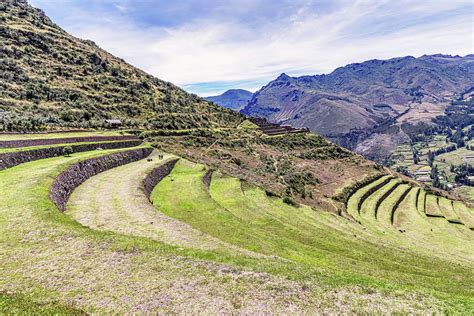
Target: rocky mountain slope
234,99
49,77
362,105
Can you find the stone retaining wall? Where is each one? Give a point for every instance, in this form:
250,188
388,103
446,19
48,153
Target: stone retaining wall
11,159
52,141
79,172
371,191
158,174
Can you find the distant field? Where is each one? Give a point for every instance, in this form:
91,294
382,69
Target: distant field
456,157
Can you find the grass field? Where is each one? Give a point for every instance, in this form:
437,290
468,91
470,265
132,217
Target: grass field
467,192
446,207
432,206
246,217
410,225
54,261
228,248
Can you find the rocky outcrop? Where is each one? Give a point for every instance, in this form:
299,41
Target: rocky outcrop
11,159
53,141
79,172
158,174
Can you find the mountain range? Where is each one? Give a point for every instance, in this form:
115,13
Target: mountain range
234,99
363,106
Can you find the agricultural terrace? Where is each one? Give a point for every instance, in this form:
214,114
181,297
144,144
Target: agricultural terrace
208,242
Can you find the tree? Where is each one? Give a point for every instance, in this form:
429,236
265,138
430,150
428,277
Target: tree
435,176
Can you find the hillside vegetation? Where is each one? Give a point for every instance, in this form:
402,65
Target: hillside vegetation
50,78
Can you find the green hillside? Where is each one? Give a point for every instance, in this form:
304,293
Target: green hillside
50,78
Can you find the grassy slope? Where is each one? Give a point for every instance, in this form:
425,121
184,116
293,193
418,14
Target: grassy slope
51,76
434,235
446,208
368,209
123,208
455,157
432,207
449,241
302,235
466,216
421,201
19,304
50,258
384,213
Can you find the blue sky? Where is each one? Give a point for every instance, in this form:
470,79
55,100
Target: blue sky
209,46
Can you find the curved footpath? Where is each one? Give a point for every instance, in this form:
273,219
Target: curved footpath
115,201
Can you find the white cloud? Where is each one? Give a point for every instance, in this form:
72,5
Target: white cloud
301,42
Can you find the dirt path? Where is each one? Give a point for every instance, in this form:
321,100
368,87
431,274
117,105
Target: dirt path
114,201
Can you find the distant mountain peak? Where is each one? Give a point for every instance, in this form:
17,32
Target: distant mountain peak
232,91
234,99
283,76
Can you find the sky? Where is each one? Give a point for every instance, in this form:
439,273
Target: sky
209,46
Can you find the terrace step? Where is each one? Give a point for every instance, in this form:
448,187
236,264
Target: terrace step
432,206
102,203
371,204
389,205
13,158
421,201
52,141
464,214
355,201
446,207
388,190
272,129
398,202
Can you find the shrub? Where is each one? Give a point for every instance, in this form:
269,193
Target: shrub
67,151
288,200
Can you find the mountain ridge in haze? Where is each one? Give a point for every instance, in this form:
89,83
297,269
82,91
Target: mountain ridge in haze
234,99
